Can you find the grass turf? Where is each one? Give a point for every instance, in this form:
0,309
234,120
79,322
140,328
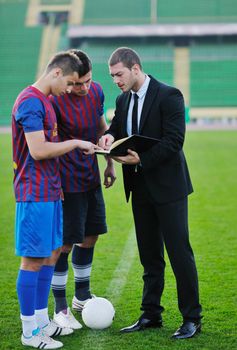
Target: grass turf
117,273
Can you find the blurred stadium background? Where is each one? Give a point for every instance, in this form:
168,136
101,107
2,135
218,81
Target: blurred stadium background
189,44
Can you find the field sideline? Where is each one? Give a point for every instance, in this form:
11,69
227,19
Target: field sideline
212,159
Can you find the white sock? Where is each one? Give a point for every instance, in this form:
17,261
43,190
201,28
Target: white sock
42,317
28,325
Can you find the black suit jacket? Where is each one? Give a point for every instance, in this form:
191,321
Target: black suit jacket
165,170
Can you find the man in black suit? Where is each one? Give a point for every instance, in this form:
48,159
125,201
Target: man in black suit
160,183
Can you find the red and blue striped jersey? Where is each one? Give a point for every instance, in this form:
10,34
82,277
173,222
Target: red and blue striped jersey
79,117
34,181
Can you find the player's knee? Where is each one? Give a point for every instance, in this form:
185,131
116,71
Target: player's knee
89,242
67,248
54,257
56,253
31,264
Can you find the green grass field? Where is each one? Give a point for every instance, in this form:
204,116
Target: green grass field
212,158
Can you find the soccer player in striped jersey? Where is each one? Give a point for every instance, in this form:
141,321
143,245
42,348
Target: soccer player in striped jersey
37,186
80,114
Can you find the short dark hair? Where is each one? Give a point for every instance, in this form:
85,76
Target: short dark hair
65,60
86,65
125,55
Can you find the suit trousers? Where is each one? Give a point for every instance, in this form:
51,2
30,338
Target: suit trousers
158,225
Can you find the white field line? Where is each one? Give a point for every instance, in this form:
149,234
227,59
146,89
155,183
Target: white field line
121,272
114,289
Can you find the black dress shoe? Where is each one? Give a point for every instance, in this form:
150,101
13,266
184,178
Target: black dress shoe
187,330
142,324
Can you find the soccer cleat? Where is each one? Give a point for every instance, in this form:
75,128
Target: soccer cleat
66,320
53,329
78,305
41,340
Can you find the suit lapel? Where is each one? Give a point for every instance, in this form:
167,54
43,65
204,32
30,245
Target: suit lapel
151,94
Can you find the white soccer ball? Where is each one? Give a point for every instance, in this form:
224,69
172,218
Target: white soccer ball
98,313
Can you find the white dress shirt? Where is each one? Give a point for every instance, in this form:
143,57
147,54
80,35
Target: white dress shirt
141,97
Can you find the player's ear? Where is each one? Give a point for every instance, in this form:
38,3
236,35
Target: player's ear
57,72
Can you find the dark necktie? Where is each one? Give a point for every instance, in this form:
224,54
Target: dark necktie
134,115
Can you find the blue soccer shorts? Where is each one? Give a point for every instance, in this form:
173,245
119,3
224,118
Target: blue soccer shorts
38,228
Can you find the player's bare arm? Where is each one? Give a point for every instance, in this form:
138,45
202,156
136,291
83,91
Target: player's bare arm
102,127
41,149
109,173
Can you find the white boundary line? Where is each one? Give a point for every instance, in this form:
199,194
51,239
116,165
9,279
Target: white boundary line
121,272
114,289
